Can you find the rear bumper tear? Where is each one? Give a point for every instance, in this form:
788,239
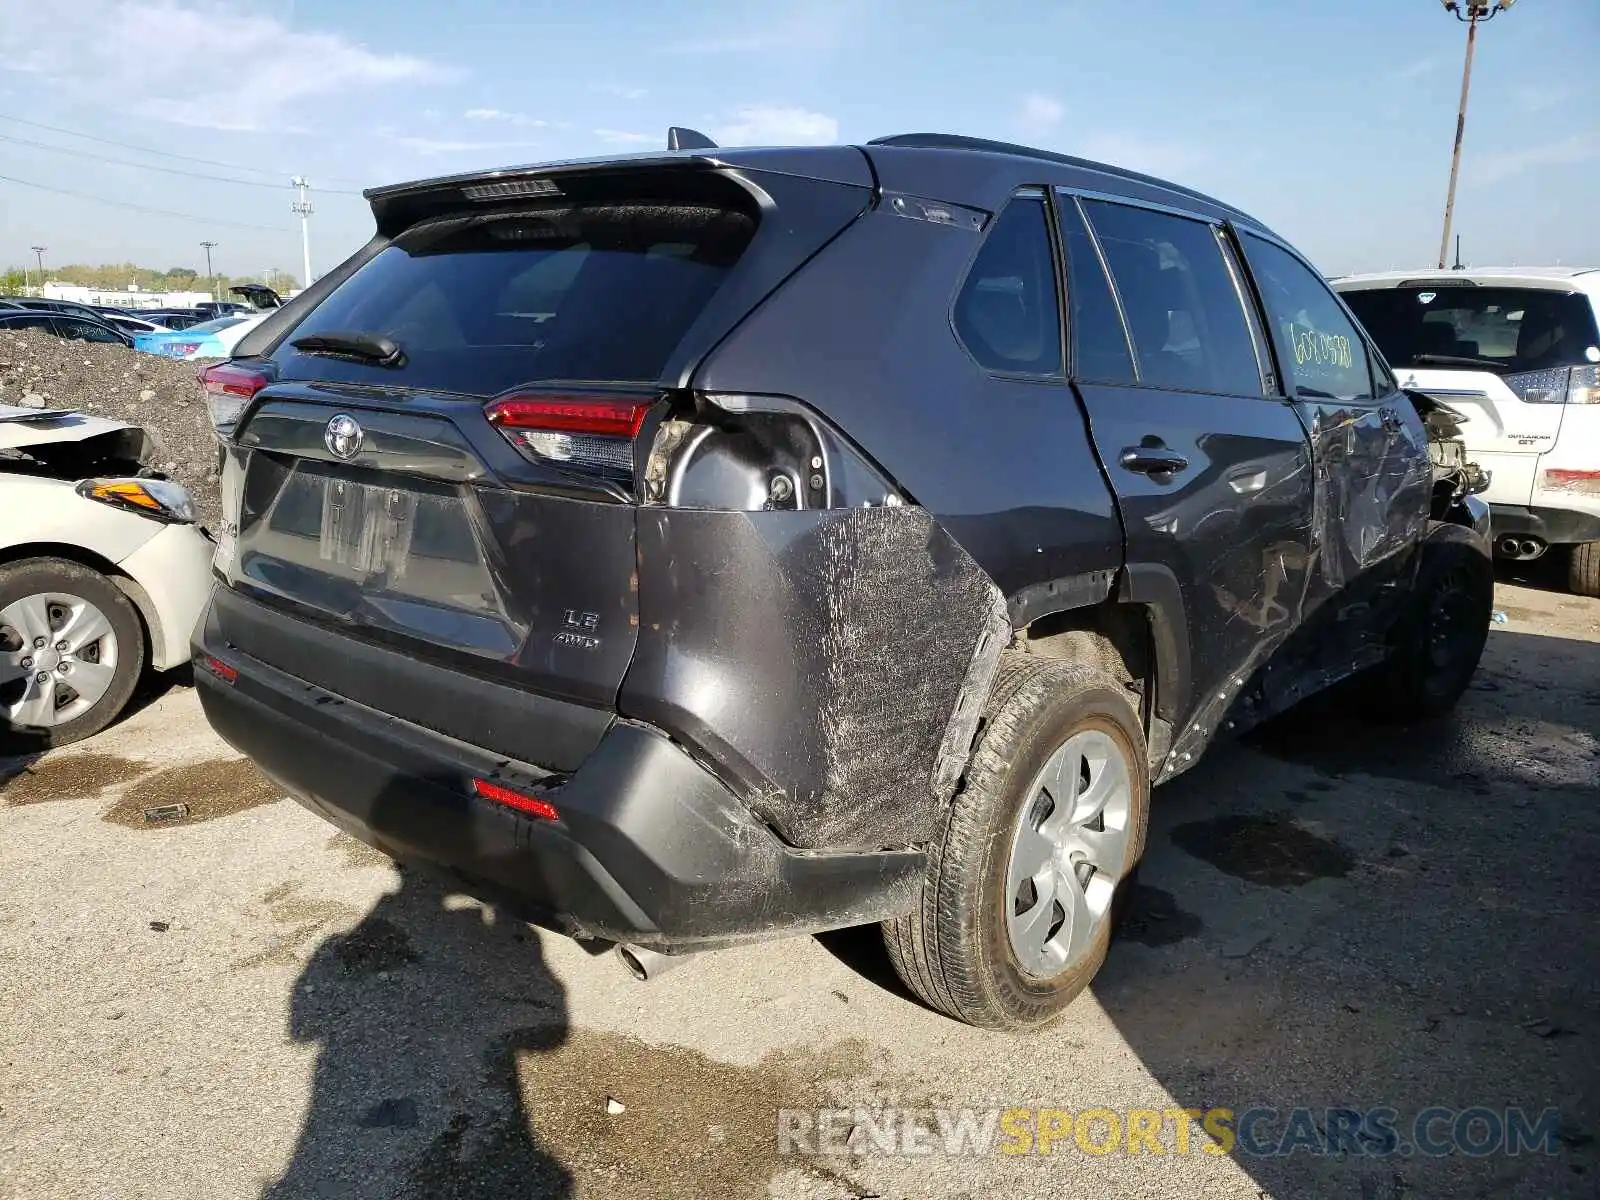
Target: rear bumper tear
649,847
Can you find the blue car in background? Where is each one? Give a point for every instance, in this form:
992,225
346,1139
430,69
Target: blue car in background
210,339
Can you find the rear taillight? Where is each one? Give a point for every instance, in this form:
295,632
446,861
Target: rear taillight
1584,387
1565,479
591,433
229,390
1556,385
530,806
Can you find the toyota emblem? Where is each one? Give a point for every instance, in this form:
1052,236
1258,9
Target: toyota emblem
343,437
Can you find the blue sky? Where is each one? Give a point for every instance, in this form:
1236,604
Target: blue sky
1329,119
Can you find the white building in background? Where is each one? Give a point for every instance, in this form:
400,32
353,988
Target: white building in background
129,297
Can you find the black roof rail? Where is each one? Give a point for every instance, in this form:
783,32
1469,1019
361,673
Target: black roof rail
679,138
956,141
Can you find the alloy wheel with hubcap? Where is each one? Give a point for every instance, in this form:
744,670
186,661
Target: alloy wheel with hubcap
72,651
1069,850
58,657
1017,901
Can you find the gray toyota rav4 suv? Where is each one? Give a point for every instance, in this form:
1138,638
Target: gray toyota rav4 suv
699,547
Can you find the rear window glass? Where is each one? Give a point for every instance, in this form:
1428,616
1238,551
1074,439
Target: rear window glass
483,304
1487,328
1182,305
1099,342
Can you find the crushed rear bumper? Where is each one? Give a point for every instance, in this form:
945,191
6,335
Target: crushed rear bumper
649,848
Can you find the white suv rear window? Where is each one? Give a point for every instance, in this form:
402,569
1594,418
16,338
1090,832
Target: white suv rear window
1504,329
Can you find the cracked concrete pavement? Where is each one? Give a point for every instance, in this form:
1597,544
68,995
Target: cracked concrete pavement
236,1001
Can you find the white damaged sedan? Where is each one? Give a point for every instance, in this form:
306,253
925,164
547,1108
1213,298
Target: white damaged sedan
103,574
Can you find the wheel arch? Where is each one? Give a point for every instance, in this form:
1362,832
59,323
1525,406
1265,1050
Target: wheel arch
149,617
1135,630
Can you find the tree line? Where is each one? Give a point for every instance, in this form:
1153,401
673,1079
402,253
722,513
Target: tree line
117,276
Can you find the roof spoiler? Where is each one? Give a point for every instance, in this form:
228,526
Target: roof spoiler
679,138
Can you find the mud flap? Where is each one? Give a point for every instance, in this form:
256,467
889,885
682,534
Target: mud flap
830,665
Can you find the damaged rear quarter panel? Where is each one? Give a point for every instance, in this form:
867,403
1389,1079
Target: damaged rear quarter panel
831,664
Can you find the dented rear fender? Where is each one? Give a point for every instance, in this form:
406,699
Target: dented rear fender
829,665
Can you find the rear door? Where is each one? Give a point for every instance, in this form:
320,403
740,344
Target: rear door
1497,354
1211,468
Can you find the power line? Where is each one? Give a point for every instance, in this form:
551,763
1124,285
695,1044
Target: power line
159,212
205,162
122,162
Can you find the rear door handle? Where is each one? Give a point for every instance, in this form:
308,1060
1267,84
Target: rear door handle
1153,460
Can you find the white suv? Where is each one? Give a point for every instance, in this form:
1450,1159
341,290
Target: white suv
1517,351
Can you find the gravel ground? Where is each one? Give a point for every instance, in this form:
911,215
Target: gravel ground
1331,914
161,394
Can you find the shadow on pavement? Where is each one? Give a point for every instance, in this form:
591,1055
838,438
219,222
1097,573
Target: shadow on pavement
1339,915
420,1014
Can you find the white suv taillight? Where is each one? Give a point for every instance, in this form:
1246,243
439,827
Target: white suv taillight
1557,385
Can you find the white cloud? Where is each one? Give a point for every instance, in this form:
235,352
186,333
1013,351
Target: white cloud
1040,113
431,146
621,137
621,91
1164,157
767,125
508,118
251,69
1536,97
1413,70
1579,148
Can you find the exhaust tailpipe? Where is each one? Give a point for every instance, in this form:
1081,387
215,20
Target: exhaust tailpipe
646,965
1531,548
1510,546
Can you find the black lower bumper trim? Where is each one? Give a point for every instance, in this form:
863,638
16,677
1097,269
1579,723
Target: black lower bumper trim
649,848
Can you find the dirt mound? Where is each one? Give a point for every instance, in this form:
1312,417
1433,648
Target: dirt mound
163,395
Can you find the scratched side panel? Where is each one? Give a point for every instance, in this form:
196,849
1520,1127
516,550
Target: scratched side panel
1374,482
1233,532
831,664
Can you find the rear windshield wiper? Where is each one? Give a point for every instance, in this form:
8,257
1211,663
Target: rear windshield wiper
374,348
1450,360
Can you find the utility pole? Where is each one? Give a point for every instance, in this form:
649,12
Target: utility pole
303,207
210,278
1470,12
39,251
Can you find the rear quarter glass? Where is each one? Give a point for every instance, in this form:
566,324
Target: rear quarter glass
481,304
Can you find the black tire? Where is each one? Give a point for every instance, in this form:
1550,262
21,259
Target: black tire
1436,647
37,576
954,952
1583,569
